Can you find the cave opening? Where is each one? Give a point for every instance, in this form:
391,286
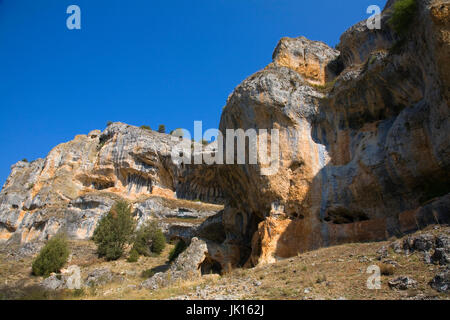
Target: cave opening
210,266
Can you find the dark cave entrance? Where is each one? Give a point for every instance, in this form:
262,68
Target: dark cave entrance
210,266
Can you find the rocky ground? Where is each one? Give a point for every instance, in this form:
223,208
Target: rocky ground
412,267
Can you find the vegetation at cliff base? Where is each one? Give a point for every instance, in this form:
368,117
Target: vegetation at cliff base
114,231
134,256
403,16
52,257
149,239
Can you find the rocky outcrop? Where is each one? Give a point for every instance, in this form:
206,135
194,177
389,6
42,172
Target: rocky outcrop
191,264
314,60
402,283
79,181
441,282
364,152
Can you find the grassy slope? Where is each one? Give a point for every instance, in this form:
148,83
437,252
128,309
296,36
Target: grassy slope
329,273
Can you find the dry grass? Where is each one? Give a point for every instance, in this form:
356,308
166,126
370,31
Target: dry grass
330,273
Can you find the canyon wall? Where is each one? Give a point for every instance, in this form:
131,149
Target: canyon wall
79,181
364,147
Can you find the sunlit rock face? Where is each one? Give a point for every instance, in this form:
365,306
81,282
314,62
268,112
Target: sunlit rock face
314,60
79,181
364,148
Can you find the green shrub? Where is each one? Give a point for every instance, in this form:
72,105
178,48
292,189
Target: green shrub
114,231
147,273
134,256
149,238
177,250
24,160
52,257
158,242
403,16
146,128
109,123
162,128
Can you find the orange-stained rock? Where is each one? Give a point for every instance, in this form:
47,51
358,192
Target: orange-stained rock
306,57
166,193
356,156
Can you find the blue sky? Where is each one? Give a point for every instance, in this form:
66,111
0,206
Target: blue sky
139,61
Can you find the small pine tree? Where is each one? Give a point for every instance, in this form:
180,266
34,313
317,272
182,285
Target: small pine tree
134,256
114,231
149,238
52,257
158,242
162,128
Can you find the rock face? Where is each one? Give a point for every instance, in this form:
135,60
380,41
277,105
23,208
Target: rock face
363,131
314,60
79,181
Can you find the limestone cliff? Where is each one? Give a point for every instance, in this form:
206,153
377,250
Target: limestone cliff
364,148
80,180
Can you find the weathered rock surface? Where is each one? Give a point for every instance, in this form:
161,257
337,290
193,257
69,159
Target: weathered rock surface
69,278
79,181
100,276
402,283
190,264
362,157
441,282
312,59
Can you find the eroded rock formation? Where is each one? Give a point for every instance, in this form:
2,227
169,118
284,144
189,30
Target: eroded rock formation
364,148
80,180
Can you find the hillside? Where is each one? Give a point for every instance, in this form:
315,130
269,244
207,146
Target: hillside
330,273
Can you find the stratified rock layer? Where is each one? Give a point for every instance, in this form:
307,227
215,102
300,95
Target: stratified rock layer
364,148
79,181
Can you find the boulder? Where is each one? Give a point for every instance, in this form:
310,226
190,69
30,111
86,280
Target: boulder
99,277
443,241
441,256
441,282
190,264
69,278
402,283
53,282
